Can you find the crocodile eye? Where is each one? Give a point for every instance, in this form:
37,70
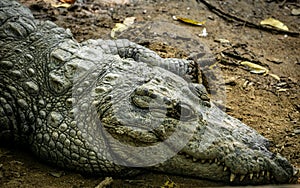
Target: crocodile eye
185,111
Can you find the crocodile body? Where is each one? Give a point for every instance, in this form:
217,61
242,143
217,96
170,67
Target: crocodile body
113,107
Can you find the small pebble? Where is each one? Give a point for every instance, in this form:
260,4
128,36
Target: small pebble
297,131
57,174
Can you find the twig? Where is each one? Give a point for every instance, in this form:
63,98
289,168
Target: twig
283,3
240,58
232,17
106,182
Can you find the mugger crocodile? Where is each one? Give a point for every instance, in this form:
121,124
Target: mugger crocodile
116,108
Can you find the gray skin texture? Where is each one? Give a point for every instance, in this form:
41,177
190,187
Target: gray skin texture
116,108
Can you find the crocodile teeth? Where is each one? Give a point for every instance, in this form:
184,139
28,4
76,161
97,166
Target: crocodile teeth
242,177
257,175
210,161
251,176
225,168
203,161
263,173
232,177
194,159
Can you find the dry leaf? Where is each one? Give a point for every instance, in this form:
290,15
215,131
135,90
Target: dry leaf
274,23
61,5
282,90
275,76
169,184
119,27
129,21
254,68
296,11
68,1
222,41
189,21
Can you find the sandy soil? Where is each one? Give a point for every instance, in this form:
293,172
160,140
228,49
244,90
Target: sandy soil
268,105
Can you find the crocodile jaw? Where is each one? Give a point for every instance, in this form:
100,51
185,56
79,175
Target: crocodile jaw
227,150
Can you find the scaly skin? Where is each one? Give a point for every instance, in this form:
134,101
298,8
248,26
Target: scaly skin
117,108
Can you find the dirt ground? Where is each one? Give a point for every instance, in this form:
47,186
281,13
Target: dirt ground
269,105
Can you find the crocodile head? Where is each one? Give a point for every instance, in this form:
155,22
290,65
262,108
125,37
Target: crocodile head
154,119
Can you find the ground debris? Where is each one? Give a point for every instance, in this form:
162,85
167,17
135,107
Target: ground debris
189,21
68,1
222,41
60,3
255,68
274,60
244,21
231,81
106,182
169,184
119,27
296,11
57,174
274,23
297,131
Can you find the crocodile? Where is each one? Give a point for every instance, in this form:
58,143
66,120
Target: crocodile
116,108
